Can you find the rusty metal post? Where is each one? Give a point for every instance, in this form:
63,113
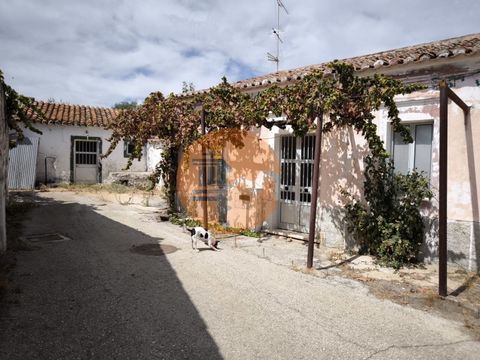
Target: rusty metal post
204,176
315,182
442,197
445,94
461,104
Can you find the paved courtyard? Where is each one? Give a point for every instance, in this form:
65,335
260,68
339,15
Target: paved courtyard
91,293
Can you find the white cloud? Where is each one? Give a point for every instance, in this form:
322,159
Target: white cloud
102,52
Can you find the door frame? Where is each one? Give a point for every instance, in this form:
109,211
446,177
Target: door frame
72,155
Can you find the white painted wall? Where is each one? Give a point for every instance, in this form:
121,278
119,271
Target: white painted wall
154,154
55,144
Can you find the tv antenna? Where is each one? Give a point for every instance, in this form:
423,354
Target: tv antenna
276,31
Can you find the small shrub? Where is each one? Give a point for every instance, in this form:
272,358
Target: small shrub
177,219
388,223
250,233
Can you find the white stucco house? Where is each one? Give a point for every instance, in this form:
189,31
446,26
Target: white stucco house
72,141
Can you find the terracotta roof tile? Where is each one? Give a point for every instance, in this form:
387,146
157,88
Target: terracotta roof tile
465,45
79,115
468,45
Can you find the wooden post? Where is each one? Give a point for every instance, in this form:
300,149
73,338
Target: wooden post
315,182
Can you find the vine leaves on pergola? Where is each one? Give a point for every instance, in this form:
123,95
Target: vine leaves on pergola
349,100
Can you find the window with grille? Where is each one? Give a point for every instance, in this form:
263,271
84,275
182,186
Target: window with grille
296,161
306,168
288,155
215,171
86,152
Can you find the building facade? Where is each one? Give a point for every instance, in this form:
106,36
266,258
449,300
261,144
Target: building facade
267,183
72,143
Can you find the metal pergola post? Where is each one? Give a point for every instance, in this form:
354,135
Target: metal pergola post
204,196
442,196
315,182
445,94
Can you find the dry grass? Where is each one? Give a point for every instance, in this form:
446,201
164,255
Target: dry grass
95,188
336,255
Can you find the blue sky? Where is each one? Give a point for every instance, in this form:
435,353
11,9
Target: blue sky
99,52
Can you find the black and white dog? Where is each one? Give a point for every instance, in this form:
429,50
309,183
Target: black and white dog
199,233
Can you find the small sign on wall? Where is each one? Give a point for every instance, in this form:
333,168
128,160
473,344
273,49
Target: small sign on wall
244,197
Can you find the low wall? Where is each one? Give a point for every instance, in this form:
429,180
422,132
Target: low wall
139,179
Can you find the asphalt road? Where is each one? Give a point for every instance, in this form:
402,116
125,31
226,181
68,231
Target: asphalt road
91,297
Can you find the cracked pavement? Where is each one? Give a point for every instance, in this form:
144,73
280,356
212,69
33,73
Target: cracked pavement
93,298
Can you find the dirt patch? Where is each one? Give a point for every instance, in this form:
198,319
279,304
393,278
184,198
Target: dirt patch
116,193
89,188
414,287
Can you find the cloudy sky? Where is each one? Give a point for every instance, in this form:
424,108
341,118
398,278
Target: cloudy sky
100,52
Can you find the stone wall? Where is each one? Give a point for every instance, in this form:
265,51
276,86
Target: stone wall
128,178
3,171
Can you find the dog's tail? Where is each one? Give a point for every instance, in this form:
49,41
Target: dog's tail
187,230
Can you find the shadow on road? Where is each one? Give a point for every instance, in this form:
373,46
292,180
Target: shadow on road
91,297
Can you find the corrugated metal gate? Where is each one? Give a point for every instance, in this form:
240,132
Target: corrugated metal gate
22,164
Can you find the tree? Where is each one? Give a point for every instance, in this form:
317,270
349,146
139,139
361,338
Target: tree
19,110
125,105
187,87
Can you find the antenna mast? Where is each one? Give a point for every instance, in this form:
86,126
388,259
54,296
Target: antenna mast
276,31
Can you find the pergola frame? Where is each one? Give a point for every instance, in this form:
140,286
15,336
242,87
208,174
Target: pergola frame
445,94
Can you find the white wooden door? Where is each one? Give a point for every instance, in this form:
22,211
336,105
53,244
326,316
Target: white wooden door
86,161
296,173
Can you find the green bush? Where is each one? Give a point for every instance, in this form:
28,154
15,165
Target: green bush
388,223
178,219
250,233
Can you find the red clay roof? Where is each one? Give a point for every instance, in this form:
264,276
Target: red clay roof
78,115
468,45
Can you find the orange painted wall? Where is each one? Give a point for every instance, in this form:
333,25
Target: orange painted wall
249,192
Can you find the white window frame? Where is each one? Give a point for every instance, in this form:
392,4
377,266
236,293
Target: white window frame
411,147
